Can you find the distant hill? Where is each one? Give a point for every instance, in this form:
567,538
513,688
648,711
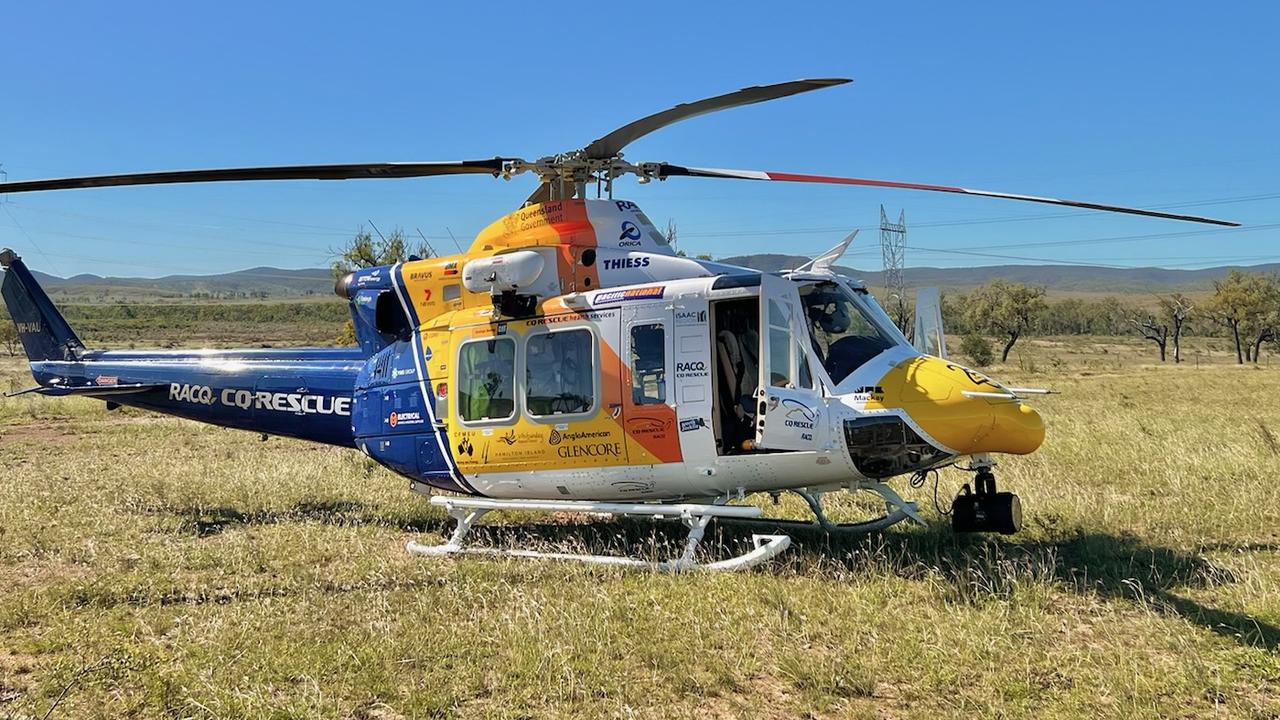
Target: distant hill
259,282
268,282
1058,278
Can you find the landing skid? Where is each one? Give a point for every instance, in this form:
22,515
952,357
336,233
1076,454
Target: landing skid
896,509
466,511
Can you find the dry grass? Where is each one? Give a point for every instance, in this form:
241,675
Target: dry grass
153,567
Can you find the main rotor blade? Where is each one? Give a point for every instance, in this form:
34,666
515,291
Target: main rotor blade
612,144
282,172
665,171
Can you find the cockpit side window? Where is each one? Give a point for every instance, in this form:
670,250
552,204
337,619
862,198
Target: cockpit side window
843,337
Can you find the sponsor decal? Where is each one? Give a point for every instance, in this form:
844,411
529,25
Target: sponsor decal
26,328
691,369
107,380
798,414
401,372
581,443
603,449
466,448
590,316
534,216
625,205
426,294
691,317
868,392
404,418
690,424
626,263
644,293
645,425
421,275
297,403
615,409
629,231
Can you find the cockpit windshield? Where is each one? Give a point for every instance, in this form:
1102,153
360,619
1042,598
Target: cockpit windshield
843,335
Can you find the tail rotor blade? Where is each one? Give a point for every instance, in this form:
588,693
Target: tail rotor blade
666,170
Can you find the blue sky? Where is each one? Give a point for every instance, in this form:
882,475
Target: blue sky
1147,104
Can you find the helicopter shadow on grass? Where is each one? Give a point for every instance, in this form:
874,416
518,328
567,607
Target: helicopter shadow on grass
975,568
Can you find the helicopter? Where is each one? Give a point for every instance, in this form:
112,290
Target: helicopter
571,361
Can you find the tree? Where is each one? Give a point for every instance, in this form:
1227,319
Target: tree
977,349
1264,326
9,337
1177,308
1005,309
364,251
1153,330
1244,303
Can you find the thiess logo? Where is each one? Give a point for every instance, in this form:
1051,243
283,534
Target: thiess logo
627,263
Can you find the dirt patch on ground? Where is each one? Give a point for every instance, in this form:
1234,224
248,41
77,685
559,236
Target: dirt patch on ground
36,433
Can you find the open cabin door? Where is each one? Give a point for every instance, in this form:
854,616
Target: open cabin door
789,404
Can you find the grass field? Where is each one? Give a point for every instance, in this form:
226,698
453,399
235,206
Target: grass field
152,567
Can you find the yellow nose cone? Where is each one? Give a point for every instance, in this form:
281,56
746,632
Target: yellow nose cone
932,392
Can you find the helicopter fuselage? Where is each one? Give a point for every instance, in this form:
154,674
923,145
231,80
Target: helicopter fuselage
571,354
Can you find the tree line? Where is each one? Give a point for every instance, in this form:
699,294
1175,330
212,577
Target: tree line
1244,307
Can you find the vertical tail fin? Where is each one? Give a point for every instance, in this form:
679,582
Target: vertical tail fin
44,333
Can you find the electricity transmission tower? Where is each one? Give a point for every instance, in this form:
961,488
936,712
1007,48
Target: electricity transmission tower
893,246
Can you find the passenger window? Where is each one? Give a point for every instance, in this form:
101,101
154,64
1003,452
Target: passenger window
486,380
648,365
560,373
779,344
452,292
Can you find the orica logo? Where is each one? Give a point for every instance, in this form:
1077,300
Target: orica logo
629,231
